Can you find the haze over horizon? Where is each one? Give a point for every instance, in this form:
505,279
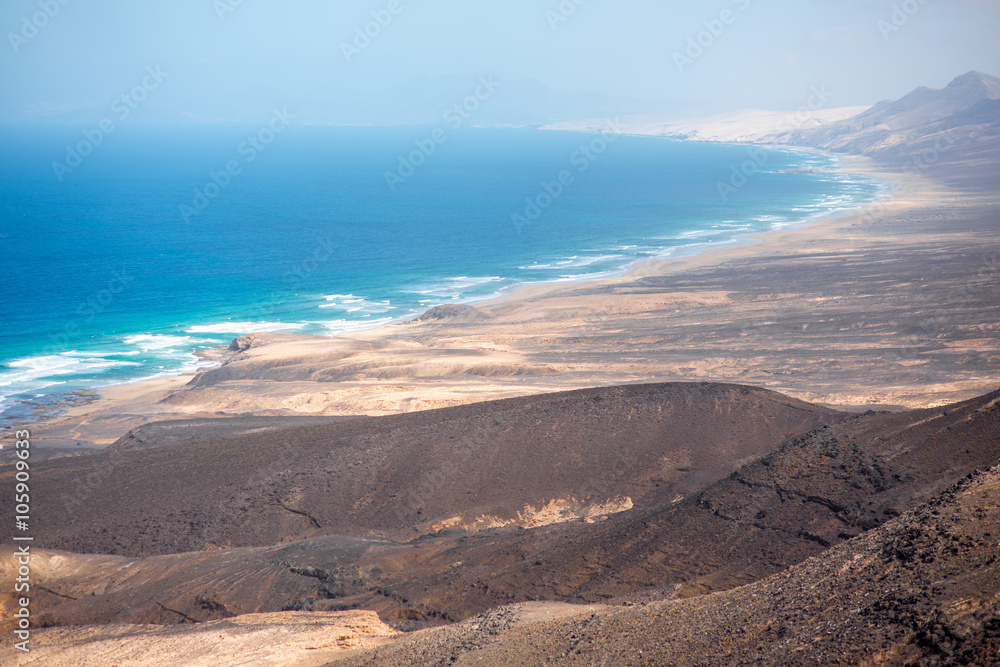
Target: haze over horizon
233,61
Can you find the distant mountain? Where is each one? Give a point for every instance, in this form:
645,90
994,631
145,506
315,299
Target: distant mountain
964,114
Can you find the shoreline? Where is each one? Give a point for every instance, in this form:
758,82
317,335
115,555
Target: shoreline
706,256
861,165
403,366
635,268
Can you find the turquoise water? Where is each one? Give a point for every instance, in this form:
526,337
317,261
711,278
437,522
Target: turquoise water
135,258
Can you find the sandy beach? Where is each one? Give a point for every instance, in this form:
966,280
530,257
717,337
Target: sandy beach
893,306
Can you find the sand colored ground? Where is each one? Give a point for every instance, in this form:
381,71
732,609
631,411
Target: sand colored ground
296,639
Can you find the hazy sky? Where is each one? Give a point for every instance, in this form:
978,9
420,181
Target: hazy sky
766,55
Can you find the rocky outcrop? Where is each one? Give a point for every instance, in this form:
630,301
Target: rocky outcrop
454,313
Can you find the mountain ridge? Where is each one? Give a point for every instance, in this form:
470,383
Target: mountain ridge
924,119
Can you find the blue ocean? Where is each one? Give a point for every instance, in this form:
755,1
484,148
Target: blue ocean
157,243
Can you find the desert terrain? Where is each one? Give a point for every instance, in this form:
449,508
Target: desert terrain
779,453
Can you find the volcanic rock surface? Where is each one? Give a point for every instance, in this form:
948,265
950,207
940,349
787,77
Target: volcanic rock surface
725,514
922,589
525,461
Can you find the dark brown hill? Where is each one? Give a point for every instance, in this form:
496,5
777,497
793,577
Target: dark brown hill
524,461
922,589
187,431
815,491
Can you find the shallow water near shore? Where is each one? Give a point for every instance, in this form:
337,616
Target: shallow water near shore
156,246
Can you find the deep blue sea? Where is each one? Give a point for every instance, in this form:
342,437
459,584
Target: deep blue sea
135,258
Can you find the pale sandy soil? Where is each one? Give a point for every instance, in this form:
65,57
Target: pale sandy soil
288,639
898,305
296,639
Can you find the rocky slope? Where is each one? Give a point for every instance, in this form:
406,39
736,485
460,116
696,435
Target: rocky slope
922,589
529,461
815,491
964,114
